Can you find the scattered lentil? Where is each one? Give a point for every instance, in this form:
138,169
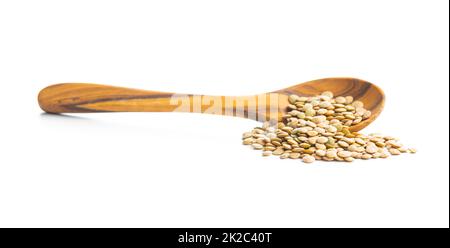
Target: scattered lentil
308,159
317,128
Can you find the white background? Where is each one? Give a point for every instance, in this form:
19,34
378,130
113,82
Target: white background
190,170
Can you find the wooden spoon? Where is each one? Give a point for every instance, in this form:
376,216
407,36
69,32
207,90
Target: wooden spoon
89,98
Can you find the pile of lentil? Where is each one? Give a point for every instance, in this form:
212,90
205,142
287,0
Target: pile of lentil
318,128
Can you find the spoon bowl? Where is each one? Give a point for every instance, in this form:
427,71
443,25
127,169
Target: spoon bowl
369,94
91,98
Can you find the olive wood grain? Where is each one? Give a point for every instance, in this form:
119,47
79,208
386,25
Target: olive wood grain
89,98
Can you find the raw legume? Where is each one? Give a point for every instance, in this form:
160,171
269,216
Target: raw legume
317,128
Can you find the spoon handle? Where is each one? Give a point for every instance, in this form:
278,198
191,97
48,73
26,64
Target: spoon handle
90,98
